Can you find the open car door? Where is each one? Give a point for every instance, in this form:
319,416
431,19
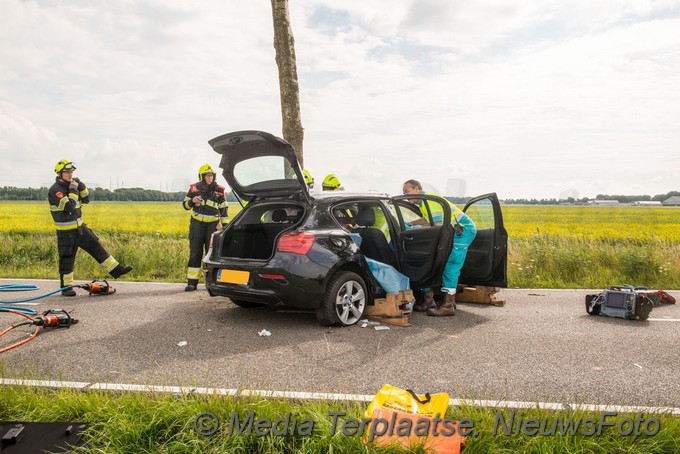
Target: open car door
422,251
486,262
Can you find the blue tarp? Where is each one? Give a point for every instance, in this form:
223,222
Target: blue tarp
387,276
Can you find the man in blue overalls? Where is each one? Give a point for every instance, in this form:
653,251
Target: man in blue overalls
465,233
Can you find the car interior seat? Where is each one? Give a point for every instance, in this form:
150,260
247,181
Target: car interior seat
373,242
279,215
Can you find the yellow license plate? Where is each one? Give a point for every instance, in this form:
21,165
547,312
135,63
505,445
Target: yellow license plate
233,277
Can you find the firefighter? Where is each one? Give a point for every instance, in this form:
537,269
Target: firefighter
465,232
66,196
309,179
331,183
209,213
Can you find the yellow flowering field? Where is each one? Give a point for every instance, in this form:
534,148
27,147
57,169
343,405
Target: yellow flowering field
608,223
549,246
166,218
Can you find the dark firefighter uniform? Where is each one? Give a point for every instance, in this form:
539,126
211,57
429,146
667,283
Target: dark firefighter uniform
72,233
206,213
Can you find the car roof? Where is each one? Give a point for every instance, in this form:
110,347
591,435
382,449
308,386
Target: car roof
342,195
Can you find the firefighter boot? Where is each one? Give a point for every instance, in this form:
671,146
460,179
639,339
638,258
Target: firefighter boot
192,284
69,291
120,270
426,302
447,308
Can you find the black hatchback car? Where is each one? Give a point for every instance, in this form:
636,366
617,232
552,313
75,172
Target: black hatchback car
290,248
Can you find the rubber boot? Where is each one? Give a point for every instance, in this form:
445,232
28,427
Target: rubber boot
426,302
69,291
448,308
192,284
120,270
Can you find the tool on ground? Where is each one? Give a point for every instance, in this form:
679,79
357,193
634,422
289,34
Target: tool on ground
98,287
55,318
52,318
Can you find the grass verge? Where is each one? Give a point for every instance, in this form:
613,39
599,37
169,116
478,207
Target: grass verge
154,422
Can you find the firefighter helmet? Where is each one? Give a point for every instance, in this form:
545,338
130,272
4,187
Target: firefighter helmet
64,164
205,168
331,183
309,179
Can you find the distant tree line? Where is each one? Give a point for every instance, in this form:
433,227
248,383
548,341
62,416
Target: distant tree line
619,198
637,198
153,195
121,194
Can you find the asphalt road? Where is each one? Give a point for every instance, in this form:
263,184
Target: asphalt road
540,346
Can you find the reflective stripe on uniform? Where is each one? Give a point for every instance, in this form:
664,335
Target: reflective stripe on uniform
84,193
457,214
205,217
193,273
210,203
62,205
224,221
223,205
70,225
109,264
68,279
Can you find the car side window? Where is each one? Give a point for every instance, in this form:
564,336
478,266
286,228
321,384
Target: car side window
482,214
345,214
372,215
427,213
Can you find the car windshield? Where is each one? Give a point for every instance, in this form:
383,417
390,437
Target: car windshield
262,169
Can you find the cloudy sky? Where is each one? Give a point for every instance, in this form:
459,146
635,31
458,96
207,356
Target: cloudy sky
540,98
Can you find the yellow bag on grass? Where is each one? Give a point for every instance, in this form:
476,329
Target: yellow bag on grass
406,401
394,408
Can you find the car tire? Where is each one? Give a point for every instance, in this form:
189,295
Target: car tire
245,304
344,301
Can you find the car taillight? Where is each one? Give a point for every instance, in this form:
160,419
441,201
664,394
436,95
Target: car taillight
296,242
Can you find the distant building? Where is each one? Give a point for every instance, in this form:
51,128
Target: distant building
672,201
606,202
648,203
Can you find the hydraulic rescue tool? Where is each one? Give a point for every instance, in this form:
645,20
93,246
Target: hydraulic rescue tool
98,287
53,318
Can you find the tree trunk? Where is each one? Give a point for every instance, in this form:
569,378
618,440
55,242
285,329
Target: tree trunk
284,44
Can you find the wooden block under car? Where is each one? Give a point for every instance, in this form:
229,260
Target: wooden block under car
394,309
479,295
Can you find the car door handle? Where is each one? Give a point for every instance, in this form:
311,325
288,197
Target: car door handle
408,238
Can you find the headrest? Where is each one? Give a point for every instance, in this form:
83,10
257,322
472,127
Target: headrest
365,217
279,215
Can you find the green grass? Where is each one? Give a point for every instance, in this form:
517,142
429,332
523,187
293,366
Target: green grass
550,261
548,247
154,422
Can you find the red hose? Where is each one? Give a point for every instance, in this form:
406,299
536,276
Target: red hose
35,333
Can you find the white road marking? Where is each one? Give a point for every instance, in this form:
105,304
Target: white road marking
510,404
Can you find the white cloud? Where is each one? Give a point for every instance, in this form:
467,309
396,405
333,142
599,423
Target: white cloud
529,99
